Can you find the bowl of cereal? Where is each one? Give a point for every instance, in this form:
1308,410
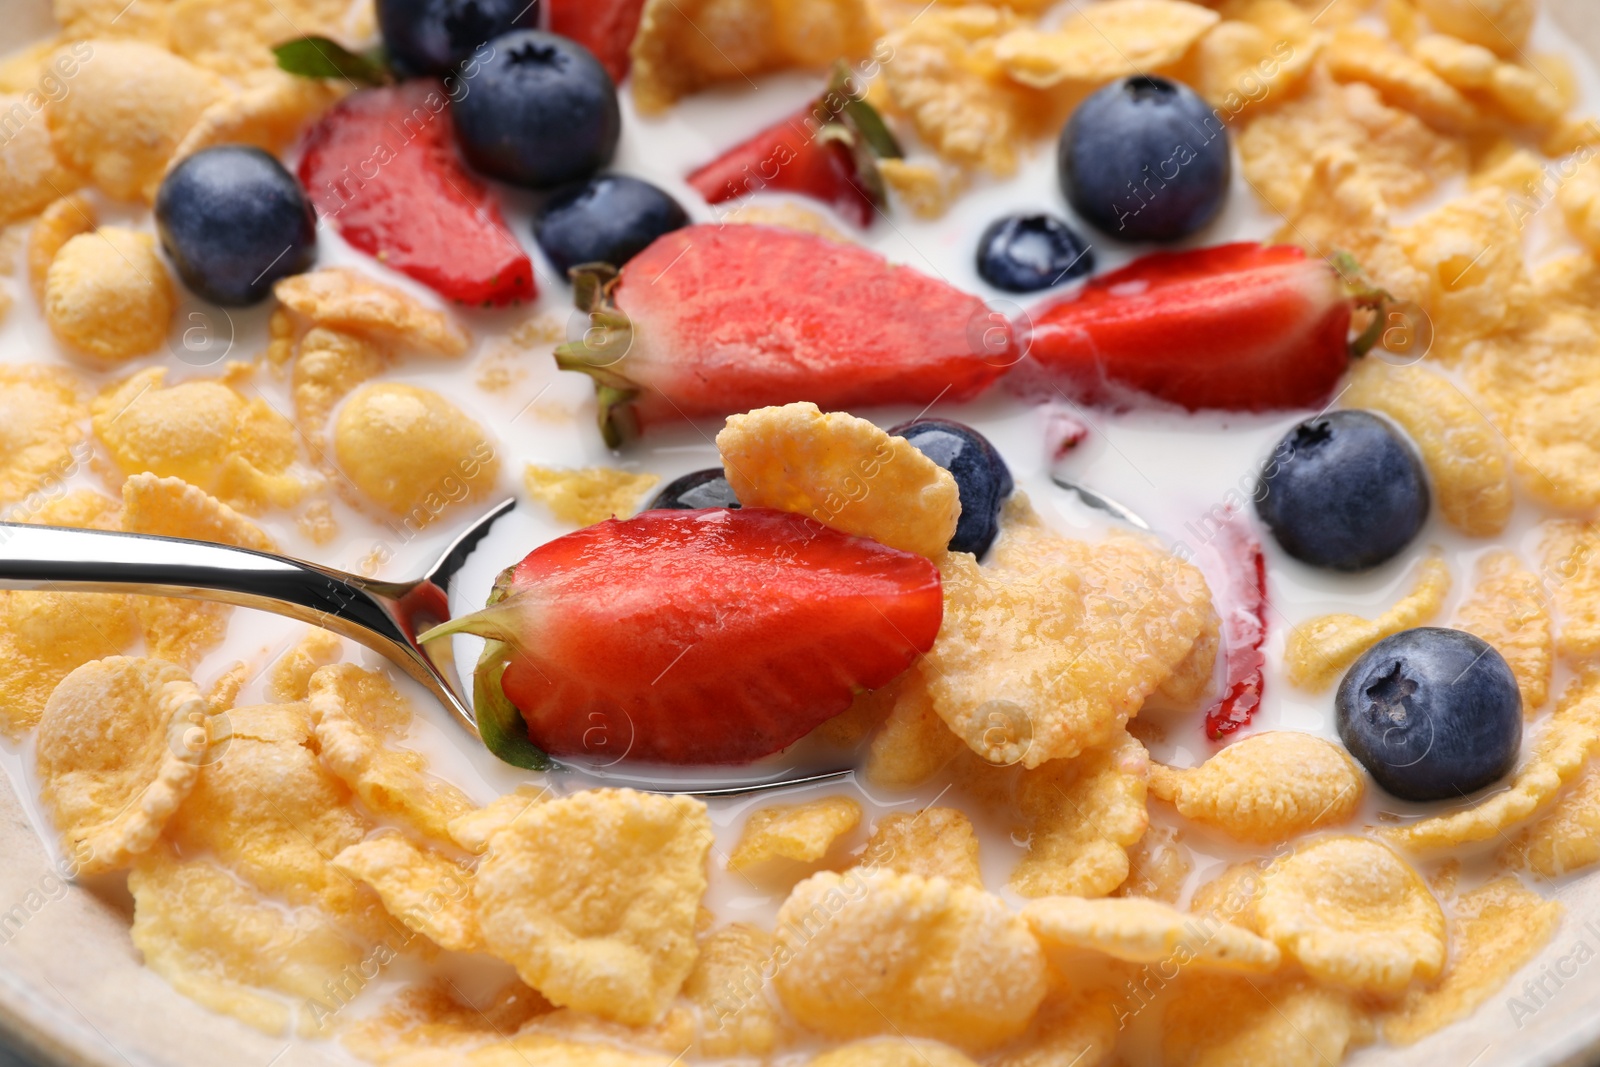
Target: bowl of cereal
1046,533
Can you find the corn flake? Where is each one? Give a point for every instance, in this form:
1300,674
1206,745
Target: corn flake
330,363
130,106
1464,454
1469,254
892,1052
843,472
428,892
1401,80
1353,913
436,1017
1076,1027
1501,25
1243,1021
585,497
1158,866
1567,837
412,451
1231,895
1322,647
1508,609
1257,56
913,743
290,678
872,951
475,830
358,713
340,298
926,188
1105,41
1497,929
118,750
931,843
30,174
107,295
610,928
802,832
789,216
64,219
1147,931
141,20
1266,788
41,415
1083,815
729,988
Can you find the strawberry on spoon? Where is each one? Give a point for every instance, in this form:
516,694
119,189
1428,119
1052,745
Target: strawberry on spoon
1241,327
713,320
714,636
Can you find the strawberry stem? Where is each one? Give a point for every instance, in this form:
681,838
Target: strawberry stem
601,349
500,621
1363,294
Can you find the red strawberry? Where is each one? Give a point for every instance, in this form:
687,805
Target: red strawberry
1244,628
825,151
382,167
604,27
711,320
1242,327
715,636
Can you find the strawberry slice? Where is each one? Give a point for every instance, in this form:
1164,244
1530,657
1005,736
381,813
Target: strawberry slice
713,320
604,27
826,151
381,166
1241,327
1244,628
714,636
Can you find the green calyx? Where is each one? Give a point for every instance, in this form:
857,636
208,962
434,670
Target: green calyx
857,126
1362,293
323,57
601,350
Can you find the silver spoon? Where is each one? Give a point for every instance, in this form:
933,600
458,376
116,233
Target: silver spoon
384,616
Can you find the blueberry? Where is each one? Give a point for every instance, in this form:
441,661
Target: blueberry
698,489
432,37
609,219
234,221
1432,714
1026,253
982,477
1145,159
540,112
1344,490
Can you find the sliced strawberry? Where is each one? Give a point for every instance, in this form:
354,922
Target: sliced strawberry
381,166
714,636
826,151
604,27
1242,596
713,320
1242,327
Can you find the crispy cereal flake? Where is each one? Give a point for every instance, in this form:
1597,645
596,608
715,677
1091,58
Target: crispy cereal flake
340,298
107,295
1572,573
843,472
1243,1021
474,830
41,416
412,451
290,677
1083,815
57,224
1104,41
1319,649
1567,837
435,1017
610,928
913,743
30,174
1509,610
892,1052
267,113
1498,24
1147,931
1267,787
802,832
1469,255
931,843
728,985
1353,913
428,892
590,495
330,364
875,952
119,748
1402,80
1074,1027
1158,866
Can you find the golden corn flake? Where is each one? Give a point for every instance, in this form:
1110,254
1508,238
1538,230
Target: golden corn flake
267,114
1502,25
870,952
1508,609
1105,41
1464,454
1579,198
926,188
1401,80
340,298
843,472
1256,56
358,715
412,451
330,363
931,843
788,215
610,928
1319,649
1077,1028
107,295
1147,931
802,832
1465,66
892,1052
1158,866
41,416
1267,787
1053,644
1569,739
676,1031
1244,1021
1231,895
1496,929
913,743
1083,815
30,174
728,985
119,748
45,636
57,224
475,830
428,892
1567,837
683,46
1469,253
585,497
234,37
435,1016
143,20
1353,913
219,942
290,677
130,106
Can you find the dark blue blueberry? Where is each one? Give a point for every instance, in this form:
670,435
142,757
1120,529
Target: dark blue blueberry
1145,159
234,221
1432,714
1344,490
540,112
1026,253
432,37
698,489
982,477
609,219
